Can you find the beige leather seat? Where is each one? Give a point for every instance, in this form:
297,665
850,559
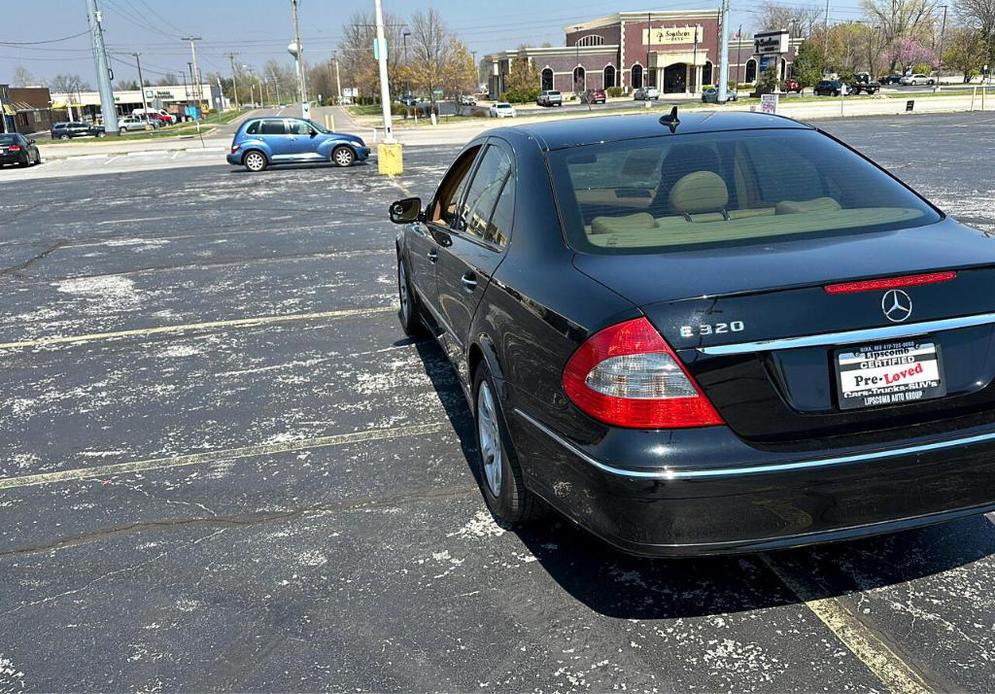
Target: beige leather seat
701,196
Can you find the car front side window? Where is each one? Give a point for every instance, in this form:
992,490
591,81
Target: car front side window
452,188
482,196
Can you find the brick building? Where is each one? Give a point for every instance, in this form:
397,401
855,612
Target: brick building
26,109
676,51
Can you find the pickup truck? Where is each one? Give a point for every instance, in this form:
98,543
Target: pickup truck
549,98
862,82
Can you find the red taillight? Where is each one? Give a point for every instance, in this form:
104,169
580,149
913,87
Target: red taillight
890,283
235,148
14,148
628,376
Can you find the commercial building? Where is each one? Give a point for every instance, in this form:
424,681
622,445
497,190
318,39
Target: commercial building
174,99
676,51
26,109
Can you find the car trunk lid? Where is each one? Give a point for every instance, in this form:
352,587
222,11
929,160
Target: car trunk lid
721,308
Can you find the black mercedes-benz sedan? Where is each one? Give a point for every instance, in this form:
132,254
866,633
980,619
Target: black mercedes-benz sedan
707,333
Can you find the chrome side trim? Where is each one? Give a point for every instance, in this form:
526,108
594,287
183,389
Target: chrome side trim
885,332
671,474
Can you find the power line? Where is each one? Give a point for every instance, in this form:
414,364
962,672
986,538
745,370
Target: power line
36,43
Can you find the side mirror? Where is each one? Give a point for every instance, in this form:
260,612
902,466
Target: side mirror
406,211
31,142
313,132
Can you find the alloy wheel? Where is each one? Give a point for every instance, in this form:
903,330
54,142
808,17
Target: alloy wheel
343,156
254,161
488,433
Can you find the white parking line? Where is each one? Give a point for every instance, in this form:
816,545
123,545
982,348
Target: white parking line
192,327
115,158
105,471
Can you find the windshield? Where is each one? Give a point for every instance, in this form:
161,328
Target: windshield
654,194
318,127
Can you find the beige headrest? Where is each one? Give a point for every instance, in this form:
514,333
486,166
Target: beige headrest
699,191
619,225
813,205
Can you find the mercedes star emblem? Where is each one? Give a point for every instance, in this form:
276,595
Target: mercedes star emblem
897,305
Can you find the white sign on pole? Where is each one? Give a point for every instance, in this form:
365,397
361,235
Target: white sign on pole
768,103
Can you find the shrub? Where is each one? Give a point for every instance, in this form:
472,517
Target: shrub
768,82
520,96
614,91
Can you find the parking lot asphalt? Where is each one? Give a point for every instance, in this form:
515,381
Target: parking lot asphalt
223,466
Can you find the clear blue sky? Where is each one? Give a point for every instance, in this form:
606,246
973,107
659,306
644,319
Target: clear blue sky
260,29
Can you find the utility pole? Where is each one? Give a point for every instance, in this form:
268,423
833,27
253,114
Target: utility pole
825,39
388,123
141,83
298,53
723,94
193,86
104,74
234,77
577,51
943,31
195,70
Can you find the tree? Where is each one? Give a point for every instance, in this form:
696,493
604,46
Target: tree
431,50
64,84
908,52
168,79
900,20
522,84
768,82
966,51
459,74
980,14
357,64
807,68
22,78
125,85
797,21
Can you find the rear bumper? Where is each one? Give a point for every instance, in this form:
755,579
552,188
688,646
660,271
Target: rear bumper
234,158
729,501
12,158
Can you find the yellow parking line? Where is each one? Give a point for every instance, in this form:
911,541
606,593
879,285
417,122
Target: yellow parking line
191,327
105,471
897,675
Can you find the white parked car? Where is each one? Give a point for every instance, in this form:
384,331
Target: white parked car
502,109
467,100
646,94
916,79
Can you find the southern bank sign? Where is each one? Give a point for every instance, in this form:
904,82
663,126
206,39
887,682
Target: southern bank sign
669,36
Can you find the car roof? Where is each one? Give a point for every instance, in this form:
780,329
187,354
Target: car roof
582,131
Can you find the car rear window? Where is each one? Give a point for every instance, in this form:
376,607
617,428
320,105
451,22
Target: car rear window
722,188
7,139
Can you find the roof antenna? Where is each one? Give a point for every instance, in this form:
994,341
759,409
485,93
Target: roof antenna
671,120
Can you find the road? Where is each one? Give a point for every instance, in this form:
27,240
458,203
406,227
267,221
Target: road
224,467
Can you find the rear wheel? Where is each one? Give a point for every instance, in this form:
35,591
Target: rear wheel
343,156
499,473
100,133
63,137
254,161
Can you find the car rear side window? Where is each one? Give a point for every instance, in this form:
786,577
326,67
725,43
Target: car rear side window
253,128
273,127
721,188
481,198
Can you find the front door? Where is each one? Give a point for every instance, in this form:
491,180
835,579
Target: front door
302,140
675,78
424,243
474,247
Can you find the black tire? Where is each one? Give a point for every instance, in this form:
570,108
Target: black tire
409,312
100,134
254,161
63,137
513,504
343,156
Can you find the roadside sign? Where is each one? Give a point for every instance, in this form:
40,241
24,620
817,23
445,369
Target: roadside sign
910,104
768,103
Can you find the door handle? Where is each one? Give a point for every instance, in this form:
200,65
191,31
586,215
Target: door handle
469,281
433,255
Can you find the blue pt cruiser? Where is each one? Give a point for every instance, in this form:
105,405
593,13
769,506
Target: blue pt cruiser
260,142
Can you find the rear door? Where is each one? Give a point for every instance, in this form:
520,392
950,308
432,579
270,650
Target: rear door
273,131
473,247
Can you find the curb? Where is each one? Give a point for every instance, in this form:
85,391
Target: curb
49,156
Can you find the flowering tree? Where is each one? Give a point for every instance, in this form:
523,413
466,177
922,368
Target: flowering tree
909,51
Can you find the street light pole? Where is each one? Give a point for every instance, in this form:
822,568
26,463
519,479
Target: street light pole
577,51
943,31
104,75
297,50
388,123
234,78
723,94
195,70
407,82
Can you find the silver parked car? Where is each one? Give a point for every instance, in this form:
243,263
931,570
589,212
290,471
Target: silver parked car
646,94
130,123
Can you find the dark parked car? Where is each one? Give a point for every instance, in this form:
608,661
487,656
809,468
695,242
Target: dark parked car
830,88
594,96
67,131
17,149
720,333
893,78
